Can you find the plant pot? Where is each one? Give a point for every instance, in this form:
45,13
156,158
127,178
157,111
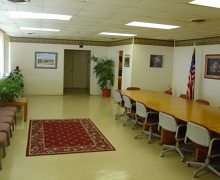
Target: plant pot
106,92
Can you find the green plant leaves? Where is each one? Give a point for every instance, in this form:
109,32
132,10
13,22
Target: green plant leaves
11,86
104,71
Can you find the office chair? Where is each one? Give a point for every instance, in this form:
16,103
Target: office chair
202,101
3,138
130,109
133,88
147,118
175,130
184,96
168,92
118,100
202,139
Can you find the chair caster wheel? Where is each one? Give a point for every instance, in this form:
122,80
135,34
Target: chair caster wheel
194,175
149,141
187,164
161,155
182,160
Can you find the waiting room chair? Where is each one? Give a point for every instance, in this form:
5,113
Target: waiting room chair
133,88
7,119
3,139
118,99
130,109
174,129
147,118
5,127
9,108
202,101
201,137
184,96
8,113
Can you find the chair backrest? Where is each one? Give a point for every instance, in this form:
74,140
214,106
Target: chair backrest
168,92
167,122
141,109
198,134
202,101
117,97
133,88
127,102
184,96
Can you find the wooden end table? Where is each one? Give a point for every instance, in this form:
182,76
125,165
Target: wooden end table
22,101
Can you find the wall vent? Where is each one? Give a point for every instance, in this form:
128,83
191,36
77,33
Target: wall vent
19,1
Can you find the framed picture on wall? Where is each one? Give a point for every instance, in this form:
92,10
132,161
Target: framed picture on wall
127,61
212,66
156,61
46,60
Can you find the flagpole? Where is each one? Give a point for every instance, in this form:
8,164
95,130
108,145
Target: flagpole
194,82
191,77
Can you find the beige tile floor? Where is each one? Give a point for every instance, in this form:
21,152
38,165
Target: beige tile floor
134,159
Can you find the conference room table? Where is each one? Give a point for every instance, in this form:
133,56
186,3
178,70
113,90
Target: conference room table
183,109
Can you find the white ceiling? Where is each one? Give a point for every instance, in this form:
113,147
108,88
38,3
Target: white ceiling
90,17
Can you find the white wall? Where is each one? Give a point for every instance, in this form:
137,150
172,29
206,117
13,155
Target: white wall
174,72
147,77
48,81
204,88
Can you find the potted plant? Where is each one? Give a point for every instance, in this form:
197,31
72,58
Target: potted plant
11,86
104,72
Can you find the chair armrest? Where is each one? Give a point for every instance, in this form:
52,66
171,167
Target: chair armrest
181,129
214,146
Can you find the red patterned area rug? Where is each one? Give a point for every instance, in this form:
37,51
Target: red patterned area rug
65,136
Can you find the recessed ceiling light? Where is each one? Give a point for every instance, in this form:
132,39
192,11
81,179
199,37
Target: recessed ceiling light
209,3
116,34
39,29
151,25
30,15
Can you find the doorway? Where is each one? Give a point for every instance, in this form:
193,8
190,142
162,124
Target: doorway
76,70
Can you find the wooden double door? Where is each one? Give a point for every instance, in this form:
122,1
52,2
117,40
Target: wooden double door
76,69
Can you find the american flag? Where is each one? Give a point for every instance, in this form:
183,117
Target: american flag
191,77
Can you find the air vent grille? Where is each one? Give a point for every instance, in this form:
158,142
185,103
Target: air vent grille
19,1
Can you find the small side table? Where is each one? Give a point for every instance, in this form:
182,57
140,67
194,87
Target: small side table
22,101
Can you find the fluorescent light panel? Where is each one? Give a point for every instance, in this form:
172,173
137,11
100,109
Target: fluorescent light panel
116,34
209,3
151,25
31,15
39,29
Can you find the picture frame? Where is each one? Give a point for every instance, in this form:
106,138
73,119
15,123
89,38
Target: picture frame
127,61
156,61
46,60
212,66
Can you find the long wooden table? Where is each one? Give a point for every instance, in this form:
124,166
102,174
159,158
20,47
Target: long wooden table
183,109
22,101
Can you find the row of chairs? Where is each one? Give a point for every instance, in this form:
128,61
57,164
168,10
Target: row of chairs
183,133
7,121
185,96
